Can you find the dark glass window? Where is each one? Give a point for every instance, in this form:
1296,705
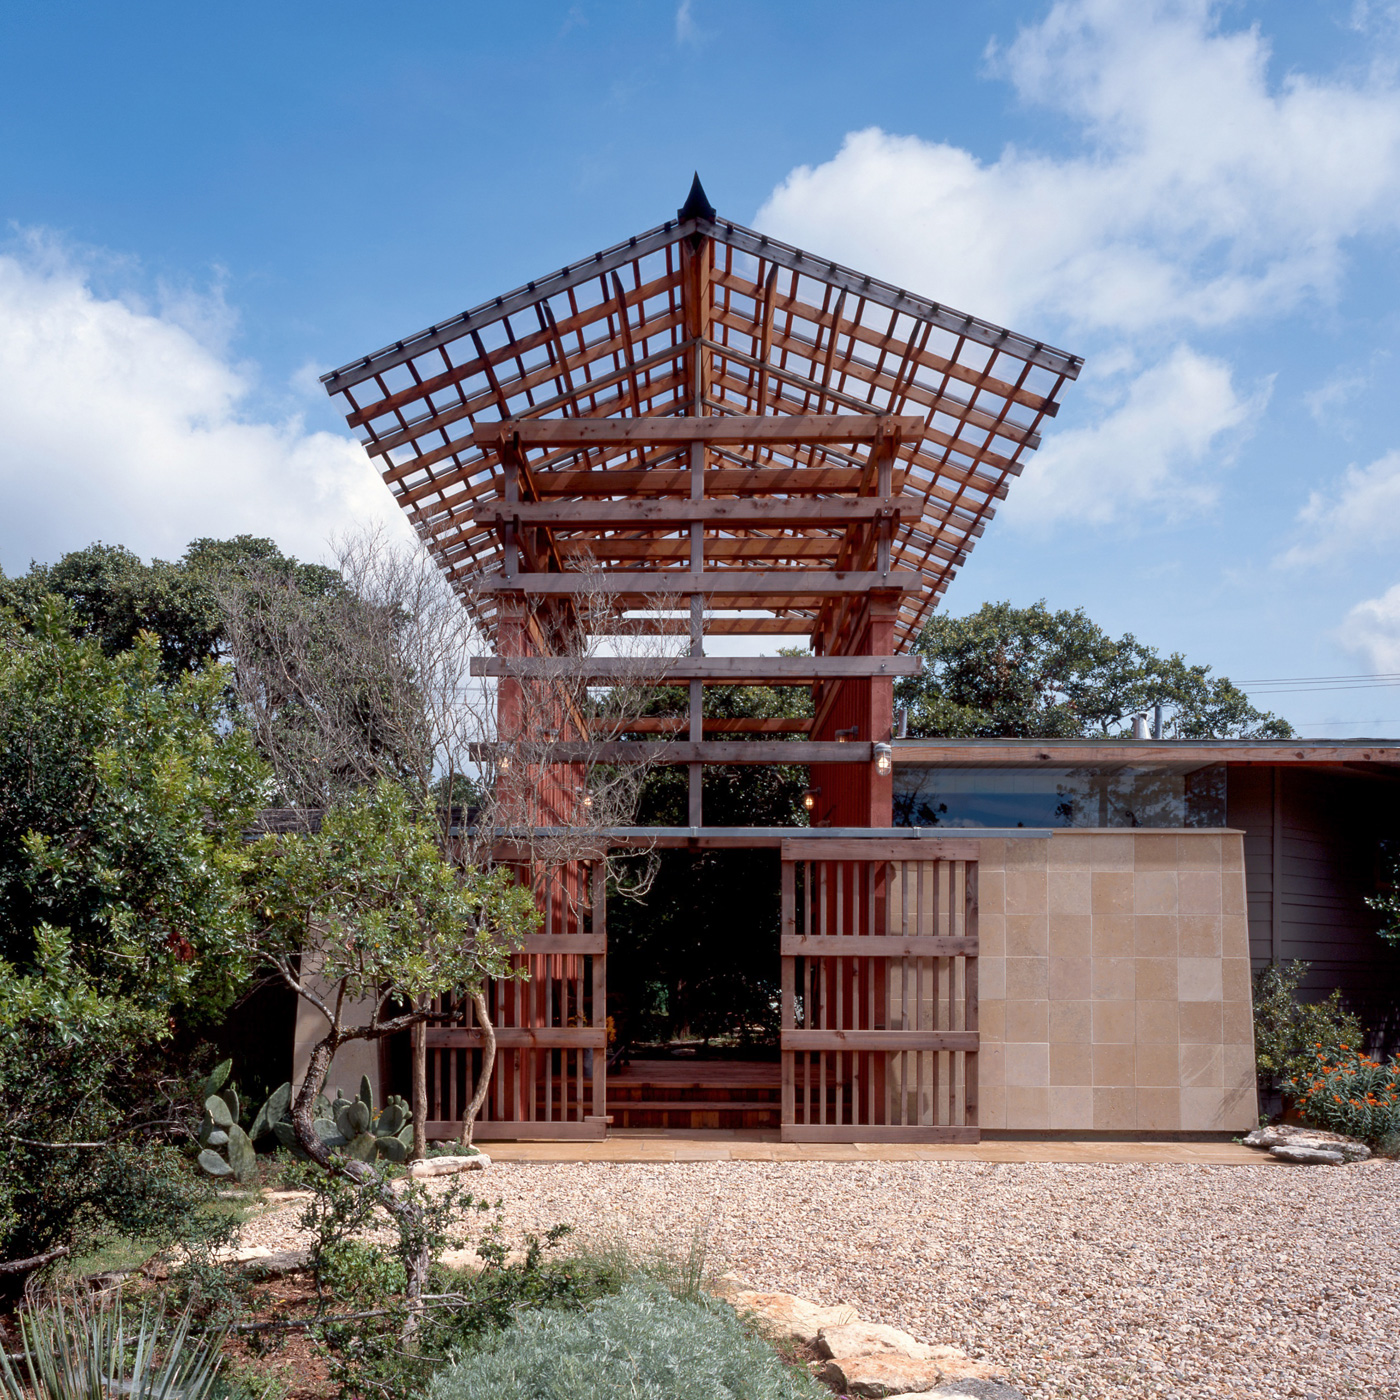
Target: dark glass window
932,795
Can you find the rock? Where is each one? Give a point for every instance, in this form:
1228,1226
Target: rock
878,1376
449,1166
791,1316
1308,1156
728,1287
852,1339
1313,1139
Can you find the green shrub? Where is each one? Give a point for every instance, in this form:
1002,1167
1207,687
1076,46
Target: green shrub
1287,1031
1348,1092
641,1344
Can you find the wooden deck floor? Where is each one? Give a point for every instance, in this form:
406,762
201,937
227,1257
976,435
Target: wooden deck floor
641,1145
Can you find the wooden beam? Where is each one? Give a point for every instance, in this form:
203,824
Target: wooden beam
879,1040
879,848
719,481
741,751
728,583
744,513
678,724
850,945
733,430
711,670
511,1038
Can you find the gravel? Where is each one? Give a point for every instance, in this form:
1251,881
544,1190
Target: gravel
1082,1281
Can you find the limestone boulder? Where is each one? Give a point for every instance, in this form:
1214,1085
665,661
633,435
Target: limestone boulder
449,1166
1305,1155
852,1339
886,1374
1313,1139
974,1390
791,1316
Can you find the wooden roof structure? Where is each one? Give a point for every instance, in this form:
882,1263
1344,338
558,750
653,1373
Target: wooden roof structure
506,432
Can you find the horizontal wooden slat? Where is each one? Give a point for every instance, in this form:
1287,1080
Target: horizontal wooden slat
638,514
893,1042
882,848
683,751
714,670
859,1132
850,945
512,1037
565,943
526,1130
777,428
730,583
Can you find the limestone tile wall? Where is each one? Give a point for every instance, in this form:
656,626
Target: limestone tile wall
1115,983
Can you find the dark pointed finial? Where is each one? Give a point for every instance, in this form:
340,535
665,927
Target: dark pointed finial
697,204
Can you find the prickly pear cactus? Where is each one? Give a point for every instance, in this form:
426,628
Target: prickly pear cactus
218,1128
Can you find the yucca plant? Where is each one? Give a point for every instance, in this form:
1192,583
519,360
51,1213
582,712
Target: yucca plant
90,1353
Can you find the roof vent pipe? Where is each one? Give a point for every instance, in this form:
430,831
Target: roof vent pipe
1139,726
1157,720
901,716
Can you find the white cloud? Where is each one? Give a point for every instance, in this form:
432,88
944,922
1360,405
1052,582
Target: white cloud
1154,448
1203,192
1372,629
1361,512
129,425
686,31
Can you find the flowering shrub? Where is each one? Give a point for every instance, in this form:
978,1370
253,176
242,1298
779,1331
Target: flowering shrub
1349,1092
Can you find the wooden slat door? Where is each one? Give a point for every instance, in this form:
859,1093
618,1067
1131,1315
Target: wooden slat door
879,991
550,1076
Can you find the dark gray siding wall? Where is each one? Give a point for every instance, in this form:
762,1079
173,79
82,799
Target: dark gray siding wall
1311,850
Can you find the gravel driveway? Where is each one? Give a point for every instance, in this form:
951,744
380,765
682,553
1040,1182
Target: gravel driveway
1102,1280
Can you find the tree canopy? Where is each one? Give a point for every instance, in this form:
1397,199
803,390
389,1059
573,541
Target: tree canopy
1008,672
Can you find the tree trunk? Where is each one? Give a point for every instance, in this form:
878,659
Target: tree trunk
419,1093
488,1063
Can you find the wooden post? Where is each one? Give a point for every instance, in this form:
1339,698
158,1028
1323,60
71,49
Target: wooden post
600,991
970,996
788,1019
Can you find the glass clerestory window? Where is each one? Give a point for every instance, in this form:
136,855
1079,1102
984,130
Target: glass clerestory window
1108,796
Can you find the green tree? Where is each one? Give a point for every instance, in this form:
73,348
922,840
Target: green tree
123,801
1007,672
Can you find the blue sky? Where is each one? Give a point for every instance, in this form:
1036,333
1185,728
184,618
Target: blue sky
204,208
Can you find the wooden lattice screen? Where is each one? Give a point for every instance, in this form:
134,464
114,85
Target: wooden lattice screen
879,991
550,1078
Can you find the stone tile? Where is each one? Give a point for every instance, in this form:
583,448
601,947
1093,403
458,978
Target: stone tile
991,1106
1232,893
1155,851
1027,979
1071,1108
1155,979
1232,850
1111,936
1199,892
1199,850
1239,1111
1113,851
1199,979
1155,1022
991,890
1071,1022
1201,1066
991,1065
1113,892
1156,1067
1115,1022
991,931
1027,1065
1027,853
1234,936
1199,1022
1071,1064
1070,851
1236,984
1027,935
1113,979
1236,1066
1069,935
1071,892
1200,935
1203,1110
1156,935
1027,1021
991,1020
1237,1023
991,979
1069,979
1154,892
1159,1110
1115,1109
991,855
1027,1108
1026,892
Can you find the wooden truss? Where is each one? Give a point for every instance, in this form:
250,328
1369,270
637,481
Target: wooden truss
703,410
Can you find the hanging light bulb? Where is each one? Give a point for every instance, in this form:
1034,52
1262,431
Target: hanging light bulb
884,760
588,802
504,764
809,799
